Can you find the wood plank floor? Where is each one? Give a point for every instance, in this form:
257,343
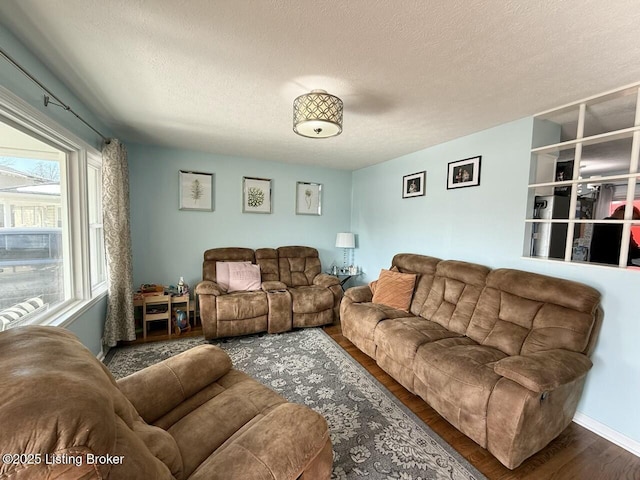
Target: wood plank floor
577,454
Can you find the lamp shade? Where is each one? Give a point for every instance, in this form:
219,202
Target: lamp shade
317,115
346,240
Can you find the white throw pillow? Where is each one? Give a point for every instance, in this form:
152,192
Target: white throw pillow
222,273
244,277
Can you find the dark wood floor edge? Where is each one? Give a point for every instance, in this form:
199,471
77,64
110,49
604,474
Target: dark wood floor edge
607,433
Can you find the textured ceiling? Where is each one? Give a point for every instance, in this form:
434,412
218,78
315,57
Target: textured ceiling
220,76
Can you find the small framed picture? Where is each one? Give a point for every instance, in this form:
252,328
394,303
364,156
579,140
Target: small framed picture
256,195
196,191
414,185
308,198
464,173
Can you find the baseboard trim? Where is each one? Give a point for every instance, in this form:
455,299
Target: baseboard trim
101,355
607,432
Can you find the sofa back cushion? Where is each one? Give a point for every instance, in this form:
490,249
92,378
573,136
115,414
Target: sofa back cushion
267,258
422,265
298,266
57,398
521,312
454,294
232,254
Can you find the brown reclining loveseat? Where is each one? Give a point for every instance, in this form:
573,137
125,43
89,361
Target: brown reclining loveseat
292,292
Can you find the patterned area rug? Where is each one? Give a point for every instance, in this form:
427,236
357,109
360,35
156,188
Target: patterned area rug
374,435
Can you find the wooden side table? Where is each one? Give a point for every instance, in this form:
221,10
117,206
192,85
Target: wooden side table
156,307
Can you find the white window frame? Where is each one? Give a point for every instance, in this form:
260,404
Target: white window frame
632,177
95,162
25,117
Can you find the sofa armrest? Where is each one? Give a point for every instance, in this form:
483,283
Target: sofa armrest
359,294
207,287
156,390
325,280
544,371
273,286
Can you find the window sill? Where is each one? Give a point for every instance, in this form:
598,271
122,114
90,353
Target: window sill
69,314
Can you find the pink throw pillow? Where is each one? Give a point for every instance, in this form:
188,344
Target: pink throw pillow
244,277
222,273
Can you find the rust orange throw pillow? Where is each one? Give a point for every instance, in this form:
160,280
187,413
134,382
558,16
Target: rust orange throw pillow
394,289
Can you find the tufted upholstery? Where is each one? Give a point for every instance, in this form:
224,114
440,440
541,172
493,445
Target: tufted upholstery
294,293
454,294
522,312
425,267
315,296
298,265
501,354
446,312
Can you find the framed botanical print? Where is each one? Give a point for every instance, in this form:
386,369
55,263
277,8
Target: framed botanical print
308,198
256,195
196,191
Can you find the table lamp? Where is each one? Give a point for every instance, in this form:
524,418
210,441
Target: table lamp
345,241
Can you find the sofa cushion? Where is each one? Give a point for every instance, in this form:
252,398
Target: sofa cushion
271,446
243,277
521,312
422,265
394,289
240,401
298,266
454,293
311,299
401,338
242,305
397,342
459,377
267,258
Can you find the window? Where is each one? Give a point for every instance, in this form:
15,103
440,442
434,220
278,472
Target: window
584,185
51,247
96,236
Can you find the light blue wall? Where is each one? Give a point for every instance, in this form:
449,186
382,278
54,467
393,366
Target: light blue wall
89,325
169,243
485,225
13,80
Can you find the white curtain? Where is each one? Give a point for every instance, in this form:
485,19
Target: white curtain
120,323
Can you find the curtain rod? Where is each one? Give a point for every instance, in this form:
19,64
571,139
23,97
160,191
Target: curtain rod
49,92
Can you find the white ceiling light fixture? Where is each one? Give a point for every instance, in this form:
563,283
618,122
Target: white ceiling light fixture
317,114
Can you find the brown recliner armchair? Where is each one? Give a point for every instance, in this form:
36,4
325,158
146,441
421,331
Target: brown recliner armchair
293,293
191,417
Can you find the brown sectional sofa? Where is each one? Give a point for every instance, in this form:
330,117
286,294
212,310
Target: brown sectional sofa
189,417
501,354
294,293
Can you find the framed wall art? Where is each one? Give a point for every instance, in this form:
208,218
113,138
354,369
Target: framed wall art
308,198
414,185
196,191
256,195
464,173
